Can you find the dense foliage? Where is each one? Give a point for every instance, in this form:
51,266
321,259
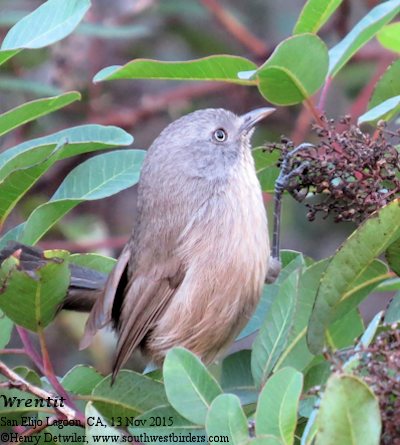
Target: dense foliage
315,373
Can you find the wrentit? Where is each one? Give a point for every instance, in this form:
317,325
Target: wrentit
193,271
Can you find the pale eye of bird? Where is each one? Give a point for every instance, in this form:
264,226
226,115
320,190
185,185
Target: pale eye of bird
220,135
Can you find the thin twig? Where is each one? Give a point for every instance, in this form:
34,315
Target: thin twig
324,93
13,351
51,376
15,381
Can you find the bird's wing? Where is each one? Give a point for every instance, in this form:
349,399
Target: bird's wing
102,311
145,301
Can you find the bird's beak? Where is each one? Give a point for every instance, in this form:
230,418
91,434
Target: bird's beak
248,120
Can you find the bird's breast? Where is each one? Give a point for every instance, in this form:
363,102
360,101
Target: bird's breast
225,252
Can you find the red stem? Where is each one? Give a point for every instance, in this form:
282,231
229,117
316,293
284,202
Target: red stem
29,348
324,93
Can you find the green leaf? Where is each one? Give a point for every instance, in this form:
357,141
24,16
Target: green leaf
317,374
6,327
272,338
164,420
267,171
18,182
226,417
278,404
393,311
310,429
390,285
236,377
30,111
353,265
361,33
12,235
22,165
96,178
386,110
81,380
130,395
296,353
374,273
389,37
314,15
392,255
98,431
269,294
14,411
286,78
222,68
387,86
349,413
6,55
345,330
101,263
52,21
32,301
81,139
364,342
189,386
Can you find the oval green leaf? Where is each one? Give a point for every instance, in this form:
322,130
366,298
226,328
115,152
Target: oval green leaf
349,413
226,417
315,14
189,386
278,405
361,33
96,178
353,269
81,380
221,68
130,395
52,21
31,299
286,78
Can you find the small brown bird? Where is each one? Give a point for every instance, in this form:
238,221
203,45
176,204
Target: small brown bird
192,273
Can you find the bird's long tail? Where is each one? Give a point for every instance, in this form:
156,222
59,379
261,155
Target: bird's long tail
86,285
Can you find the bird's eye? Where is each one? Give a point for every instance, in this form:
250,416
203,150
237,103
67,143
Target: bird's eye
220,135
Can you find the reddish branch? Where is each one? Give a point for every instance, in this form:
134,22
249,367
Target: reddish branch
152,104
236,29
15,381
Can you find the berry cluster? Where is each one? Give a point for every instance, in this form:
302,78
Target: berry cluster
350,173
